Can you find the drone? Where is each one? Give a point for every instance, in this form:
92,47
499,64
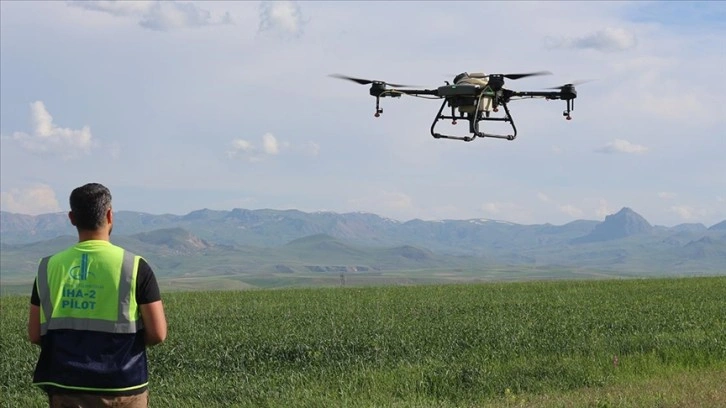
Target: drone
473,97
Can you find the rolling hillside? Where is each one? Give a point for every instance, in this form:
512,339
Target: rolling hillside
272,242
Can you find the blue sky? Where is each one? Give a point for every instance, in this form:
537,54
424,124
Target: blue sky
178,106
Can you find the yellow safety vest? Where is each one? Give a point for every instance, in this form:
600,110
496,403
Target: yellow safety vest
89,291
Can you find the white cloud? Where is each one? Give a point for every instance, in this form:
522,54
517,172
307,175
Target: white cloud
281,17
621,146
157,15
239,202
492,208
652,80
666,195
394,203
244,148
396,200
311,148
570,210
543,197
32,200
646,67
242,145
607,40
115,8
47,138
509,211
603,209
270,146
684,211
697,212
115,150
672,104
269,143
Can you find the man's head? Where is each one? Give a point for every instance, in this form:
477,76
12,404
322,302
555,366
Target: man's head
91,208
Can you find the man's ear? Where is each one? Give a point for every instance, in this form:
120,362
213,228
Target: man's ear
109,216
72,218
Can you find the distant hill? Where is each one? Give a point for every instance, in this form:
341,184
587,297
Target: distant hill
323,246
177,240
692,227
207,242
622,224
705,248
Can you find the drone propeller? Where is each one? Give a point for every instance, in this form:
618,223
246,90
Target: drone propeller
367,81
573,83
509,76
518,76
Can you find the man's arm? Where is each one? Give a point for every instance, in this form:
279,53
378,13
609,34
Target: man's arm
34,316
34,324
154,322
152,309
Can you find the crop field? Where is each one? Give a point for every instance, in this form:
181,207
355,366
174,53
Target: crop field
604,343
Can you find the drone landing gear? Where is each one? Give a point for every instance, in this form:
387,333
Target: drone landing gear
570,107
378,95
474,119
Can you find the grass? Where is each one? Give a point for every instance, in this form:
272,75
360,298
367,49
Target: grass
605,343
699,389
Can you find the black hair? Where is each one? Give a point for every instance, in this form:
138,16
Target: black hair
89,204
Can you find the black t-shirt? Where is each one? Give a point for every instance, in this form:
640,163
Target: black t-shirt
147,289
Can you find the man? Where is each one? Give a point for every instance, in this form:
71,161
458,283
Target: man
94,309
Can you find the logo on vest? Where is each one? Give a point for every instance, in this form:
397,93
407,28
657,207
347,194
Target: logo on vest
80,272
75,297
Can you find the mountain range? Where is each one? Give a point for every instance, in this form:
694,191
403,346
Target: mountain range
288,242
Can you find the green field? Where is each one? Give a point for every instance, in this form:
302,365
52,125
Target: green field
598,343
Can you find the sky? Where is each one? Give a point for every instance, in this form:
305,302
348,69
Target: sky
179,106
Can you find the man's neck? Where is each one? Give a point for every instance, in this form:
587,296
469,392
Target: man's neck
93,236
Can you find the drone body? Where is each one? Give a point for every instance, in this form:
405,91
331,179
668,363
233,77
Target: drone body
473,97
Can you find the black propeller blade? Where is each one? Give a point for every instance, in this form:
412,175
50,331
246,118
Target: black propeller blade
573,83
367,81
508,76
518,76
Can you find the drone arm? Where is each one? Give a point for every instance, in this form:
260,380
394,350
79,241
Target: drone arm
380,91
566,93
539,94
432,92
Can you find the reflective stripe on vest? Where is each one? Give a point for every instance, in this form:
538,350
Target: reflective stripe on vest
123,323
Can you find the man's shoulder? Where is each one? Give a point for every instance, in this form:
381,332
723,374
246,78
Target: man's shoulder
143,263
57,253
144,266
128,252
